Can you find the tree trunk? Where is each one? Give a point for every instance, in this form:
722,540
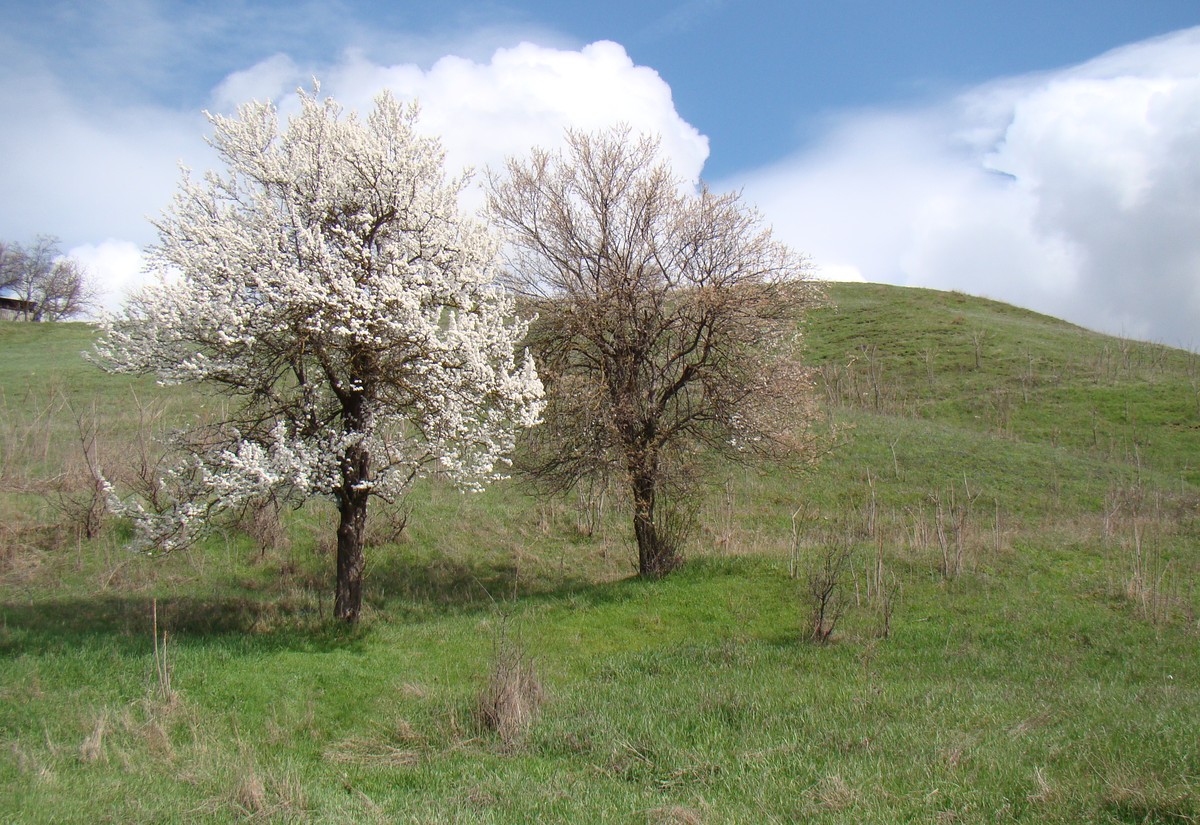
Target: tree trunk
655,557
351,535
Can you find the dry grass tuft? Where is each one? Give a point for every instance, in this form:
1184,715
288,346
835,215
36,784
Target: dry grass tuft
270,798
1133,799
1045,791
363,751
833,794
156,737
92,749
250,795
478,799
510,701
413,690
674,815
20,560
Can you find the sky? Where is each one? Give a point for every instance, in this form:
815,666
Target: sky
1044,153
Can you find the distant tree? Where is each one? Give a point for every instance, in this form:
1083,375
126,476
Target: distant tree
667,324
49,285
328,283
10,257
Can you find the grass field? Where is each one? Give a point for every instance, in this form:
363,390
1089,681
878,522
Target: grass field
1010,504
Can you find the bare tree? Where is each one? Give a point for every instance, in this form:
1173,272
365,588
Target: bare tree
10,263
47,285
667,324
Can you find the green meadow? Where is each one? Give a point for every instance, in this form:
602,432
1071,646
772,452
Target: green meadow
1001,539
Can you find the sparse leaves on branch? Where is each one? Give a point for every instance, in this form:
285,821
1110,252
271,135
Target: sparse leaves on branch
668,321
327,283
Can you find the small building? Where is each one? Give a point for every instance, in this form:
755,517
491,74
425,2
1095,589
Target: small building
16,309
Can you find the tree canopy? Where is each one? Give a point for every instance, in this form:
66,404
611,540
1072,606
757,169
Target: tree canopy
668,323
327,282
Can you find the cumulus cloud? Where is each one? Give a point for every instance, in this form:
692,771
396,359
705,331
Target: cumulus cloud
85,174
93,177
268,79
1075,192
118,265
524,96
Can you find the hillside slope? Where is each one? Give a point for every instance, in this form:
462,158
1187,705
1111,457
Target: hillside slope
1008,512
1036,409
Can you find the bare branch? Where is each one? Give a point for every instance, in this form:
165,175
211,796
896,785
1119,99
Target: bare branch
668,321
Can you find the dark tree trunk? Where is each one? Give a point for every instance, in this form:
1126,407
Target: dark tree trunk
655,557
351,534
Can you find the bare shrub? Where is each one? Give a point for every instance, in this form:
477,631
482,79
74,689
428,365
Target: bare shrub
510,701
674,528
978,339
1150,583
71,458
952,514
82,492
1139,523
883,590
266,525
387,521
147,458
27,436
592,492
162,664
262,520
824,595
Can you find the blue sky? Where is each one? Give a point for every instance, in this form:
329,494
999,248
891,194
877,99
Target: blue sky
1043,153
760,78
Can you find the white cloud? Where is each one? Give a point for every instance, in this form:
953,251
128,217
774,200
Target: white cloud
1075,192
269,79
839,272
524,96
87,175
93,177
116,264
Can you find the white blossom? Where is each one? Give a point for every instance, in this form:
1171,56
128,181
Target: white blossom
328,283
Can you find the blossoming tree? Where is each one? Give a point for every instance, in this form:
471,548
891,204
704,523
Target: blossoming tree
328,284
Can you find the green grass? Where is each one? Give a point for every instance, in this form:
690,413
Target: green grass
1056,678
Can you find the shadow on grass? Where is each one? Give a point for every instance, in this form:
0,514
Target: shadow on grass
407,586
286,611
410,585
291,609
126,621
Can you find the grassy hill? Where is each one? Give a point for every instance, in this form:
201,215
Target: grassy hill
1009,504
